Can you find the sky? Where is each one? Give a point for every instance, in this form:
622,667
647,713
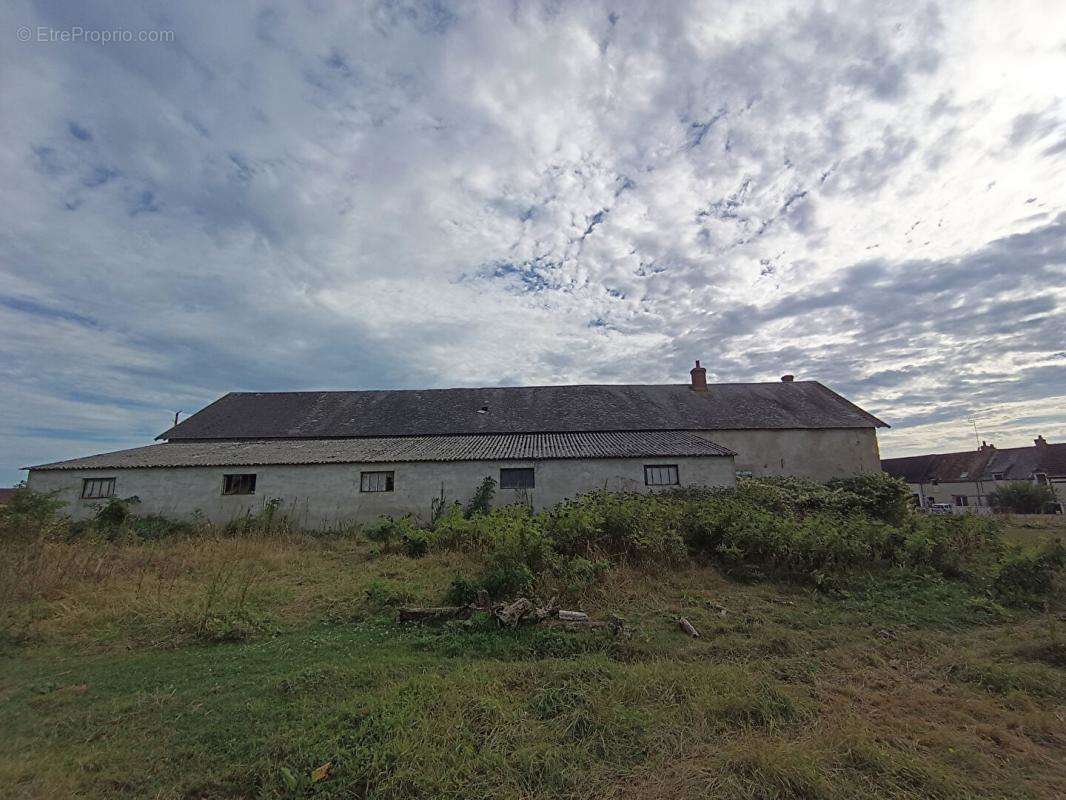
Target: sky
205,197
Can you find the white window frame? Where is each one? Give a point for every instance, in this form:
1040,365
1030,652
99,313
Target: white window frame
382,480
662,475
226,480
511,471
98,488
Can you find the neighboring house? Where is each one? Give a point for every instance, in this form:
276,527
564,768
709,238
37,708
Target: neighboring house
966,479
335,456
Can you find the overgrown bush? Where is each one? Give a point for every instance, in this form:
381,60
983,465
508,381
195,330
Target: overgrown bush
782,527
481,501
29,514
387,531
1024,579
271,518
1022,497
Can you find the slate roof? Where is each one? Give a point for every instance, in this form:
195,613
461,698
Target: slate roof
526,409
1013,463
520,447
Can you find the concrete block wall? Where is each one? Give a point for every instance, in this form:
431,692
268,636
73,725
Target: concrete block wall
328,495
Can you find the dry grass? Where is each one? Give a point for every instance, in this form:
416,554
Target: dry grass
214,666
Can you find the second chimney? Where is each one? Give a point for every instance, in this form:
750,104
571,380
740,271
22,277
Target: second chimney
699,378
787,378
1039,441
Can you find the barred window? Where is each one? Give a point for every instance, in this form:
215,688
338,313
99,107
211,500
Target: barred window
517,478
661,475
376,481
96,488
238,484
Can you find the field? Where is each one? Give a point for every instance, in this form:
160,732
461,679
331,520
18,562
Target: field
271,665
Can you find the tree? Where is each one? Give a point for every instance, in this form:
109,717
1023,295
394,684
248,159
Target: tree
1021,497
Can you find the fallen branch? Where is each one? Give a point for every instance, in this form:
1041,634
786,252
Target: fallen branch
512,613
573,616
687,627
439,614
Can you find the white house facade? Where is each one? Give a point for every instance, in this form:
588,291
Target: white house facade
965,479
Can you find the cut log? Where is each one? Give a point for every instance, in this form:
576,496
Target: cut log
440,614
512,613
573,616
687,627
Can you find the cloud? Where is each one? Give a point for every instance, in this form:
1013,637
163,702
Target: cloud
434,194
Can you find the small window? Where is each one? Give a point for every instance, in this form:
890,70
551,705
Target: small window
376,481
661,475
517,478
961,500
997,476
1041,478
238,484
96,488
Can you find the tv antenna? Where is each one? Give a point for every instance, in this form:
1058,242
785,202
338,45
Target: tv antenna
976,435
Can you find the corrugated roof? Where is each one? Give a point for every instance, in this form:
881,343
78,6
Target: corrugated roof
520,447
526,409
1012,463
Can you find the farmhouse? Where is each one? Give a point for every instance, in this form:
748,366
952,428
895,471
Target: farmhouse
330,457
965,479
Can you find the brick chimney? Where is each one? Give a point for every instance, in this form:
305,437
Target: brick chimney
699,378
787,378
1039,441
985,447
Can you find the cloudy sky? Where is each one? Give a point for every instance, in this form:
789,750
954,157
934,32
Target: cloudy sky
413,194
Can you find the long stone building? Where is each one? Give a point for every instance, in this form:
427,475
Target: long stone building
331,457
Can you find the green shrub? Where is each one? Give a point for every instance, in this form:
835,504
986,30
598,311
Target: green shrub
954,546
269,519
481,501
386,530
30,514
416,543
453,531
155,526
1025,578
519,550
1022,497
875,494
384,594
462,591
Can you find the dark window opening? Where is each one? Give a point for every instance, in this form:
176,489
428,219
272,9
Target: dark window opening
1041,478
661,475
96,488
238,484
997,476
961,500
376,481
517,478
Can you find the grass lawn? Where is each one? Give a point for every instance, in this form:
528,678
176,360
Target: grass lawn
210,667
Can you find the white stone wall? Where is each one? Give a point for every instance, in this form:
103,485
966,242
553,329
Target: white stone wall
326,495
819,454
